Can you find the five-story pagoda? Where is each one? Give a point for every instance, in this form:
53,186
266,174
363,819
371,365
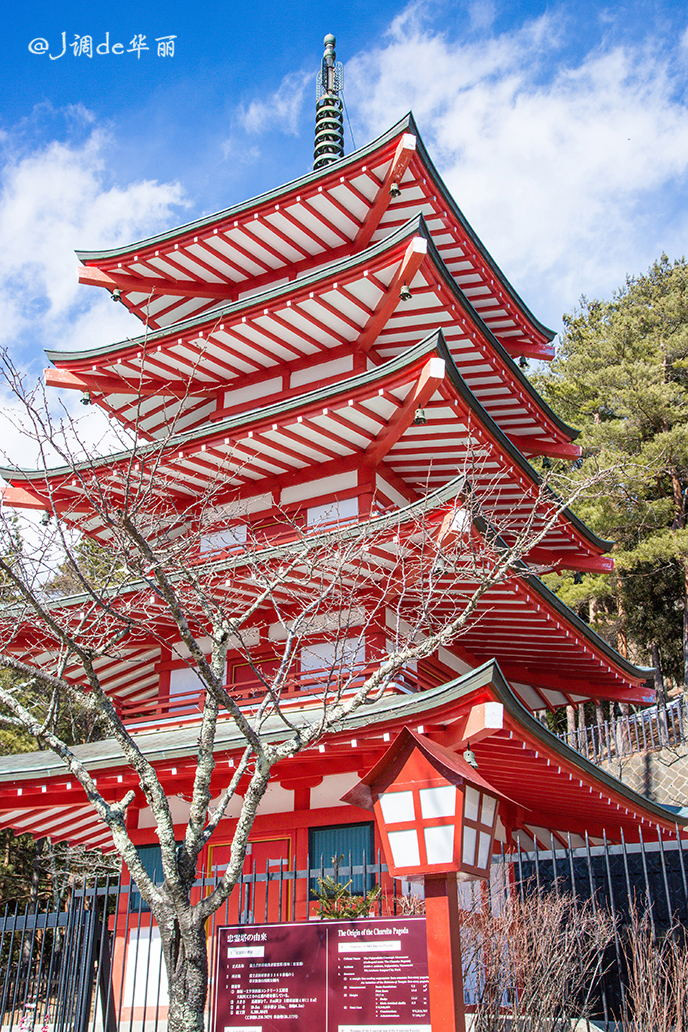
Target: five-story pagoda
339,352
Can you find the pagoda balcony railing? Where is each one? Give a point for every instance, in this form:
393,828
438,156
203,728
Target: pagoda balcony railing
299,688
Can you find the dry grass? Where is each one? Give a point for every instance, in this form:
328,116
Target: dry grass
538,959
656,997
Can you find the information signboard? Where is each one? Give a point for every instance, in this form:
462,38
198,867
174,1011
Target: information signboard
323,976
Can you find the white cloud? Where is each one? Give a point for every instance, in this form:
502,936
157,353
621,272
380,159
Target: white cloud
567,170
481,14
281,109
55,198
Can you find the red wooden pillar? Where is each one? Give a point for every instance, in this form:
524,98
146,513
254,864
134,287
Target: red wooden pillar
443,925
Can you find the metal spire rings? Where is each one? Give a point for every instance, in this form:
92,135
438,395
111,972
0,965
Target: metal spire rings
329,121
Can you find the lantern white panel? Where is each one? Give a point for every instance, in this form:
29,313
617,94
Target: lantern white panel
404,846
397,807
484,849
439,844
472,804
439,801
487,810
468,850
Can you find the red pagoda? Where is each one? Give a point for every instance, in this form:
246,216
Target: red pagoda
291,341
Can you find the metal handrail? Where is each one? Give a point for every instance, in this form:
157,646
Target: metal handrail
648,730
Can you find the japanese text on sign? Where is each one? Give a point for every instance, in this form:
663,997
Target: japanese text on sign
329,976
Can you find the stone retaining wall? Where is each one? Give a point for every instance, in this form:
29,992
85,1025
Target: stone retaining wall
662,776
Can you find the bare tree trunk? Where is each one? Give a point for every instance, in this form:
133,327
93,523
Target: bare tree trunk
186,960
621,634
660,687
571,720
685,623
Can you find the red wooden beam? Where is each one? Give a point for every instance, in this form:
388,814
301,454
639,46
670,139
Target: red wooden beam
406,148
21,498
95,382
115,280
429,380
566,561
532,445
543,352
414,257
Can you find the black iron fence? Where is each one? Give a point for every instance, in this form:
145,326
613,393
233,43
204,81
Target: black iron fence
95,964
651,729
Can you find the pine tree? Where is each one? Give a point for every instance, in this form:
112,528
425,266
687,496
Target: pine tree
621,376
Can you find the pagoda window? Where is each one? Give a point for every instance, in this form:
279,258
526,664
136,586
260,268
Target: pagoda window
254,392
322,371
322,662
151,859
185,687
352,844
339,510
225,539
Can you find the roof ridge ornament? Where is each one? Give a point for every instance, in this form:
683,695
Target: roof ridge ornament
329,120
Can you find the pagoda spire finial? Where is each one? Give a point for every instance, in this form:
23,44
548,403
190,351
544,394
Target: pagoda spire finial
329,121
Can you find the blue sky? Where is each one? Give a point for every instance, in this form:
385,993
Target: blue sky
562,130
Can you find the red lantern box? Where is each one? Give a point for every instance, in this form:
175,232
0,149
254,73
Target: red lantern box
434,811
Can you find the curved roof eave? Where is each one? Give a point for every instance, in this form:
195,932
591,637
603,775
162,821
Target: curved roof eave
232,422
340,265
549,597
434,341
571,432
459,215
164,744
408,122
449,491
415,225
435,498
483,415
490,673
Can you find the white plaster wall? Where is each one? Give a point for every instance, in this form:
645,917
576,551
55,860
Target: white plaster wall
332,788
144,974
322,371
316,488
253,392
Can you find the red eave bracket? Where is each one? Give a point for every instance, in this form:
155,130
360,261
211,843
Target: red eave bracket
541,352
405,151
20,498
530,445
563,561
152,285
102,384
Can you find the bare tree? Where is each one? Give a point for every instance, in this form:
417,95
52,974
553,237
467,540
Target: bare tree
535,960
417,575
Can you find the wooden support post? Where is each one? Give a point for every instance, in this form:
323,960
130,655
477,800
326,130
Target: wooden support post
443,924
